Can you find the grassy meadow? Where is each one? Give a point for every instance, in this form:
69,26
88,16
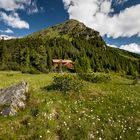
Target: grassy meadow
103,111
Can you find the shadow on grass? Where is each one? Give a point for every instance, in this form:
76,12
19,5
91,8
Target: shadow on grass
47,88
129,84
124,84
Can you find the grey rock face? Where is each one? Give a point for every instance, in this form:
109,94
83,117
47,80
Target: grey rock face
13,98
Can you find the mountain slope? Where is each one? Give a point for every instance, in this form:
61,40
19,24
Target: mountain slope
69,40
70,28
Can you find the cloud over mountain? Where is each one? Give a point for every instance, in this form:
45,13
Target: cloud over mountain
99,14
133,47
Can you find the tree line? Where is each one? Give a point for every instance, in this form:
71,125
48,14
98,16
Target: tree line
36,54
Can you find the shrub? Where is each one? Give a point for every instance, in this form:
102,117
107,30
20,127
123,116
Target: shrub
67,82
87,76
95,78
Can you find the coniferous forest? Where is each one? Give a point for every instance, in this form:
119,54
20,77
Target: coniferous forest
36,54
76,42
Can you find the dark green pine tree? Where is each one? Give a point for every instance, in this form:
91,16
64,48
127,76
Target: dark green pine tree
49,60
42,58
4,55
130,69
77,66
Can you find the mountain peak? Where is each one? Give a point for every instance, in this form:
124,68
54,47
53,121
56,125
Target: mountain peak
69,29
73,22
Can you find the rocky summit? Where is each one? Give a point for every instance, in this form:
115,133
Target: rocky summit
13,99
68,30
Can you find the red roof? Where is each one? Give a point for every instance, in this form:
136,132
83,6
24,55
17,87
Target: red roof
63,61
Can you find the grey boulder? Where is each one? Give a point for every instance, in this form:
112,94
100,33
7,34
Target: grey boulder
13,98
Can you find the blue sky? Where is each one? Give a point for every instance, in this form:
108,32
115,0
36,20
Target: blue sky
118,21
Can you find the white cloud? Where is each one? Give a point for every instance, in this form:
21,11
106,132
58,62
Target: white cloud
97,14
9,31
111,45
30,6
13,20
11,5
120,1
6,37
133,47
33,8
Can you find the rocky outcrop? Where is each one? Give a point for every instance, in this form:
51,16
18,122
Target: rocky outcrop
13,99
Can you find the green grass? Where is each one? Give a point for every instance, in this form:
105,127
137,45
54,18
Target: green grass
101,111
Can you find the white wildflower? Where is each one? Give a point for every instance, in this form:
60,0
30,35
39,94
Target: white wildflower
97,132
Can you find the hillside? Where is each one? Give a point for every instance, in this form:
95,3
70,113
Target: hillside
102,111
68,30
69,40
